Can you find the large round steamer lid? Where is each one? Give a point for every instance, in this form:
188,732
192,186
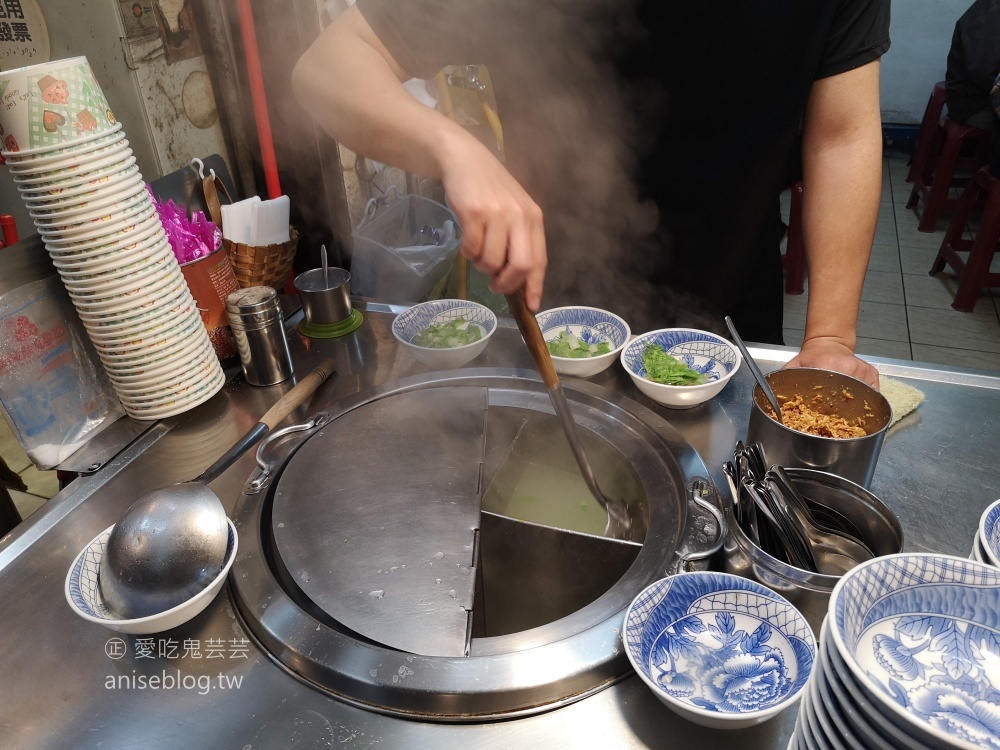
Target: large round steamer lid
381,547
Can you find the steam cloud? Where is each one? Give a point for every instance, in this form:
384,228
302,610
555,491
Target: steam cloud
575,131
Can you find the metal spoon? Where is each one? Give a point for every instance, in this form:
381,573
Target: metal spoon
326,267
619,519
757,374
852,544
771,529
777,532
172,542
834,554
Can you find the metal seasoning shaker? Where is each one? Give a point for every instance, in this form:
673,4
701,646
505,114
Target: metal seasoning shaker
255,317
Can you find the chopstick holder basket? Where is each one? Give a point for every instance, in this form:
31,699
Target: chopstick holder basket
253,265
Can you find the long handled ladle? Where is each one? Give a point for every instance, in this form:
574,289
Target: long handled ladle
619,520
757,374
171,542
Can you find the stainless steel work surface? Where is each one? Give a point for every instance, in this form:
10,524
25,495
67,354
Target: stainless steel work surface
67,683
377,530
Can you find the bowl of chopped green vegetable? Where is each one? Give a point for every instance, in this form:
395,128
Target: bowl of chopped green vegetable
583,341
445,333
680,367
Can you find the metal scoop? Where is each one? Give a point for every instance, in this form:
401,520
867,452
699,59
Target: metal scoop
757,374
619,520
834,550
171,542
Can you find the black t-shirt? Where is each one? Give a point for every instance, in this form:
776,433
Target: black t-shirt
973,59
609,109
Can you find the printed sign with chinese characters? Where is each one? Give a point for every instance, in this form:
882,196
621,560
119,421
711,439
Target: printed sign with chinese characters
24,37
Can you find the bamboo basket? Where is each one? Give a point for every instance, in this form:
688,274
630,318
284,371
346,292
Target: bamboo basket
253,265
262,265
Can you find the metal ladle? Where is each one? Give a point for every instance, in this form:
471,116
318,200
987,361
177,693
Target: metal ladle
619,519
757,374
172,542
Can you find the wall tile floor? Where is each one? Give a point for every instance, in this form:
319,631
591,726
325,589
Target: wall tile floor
905,312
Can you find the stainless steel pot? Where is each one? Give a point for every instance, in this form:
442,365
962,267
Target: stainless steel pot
810,592
322,521
325,295
852,458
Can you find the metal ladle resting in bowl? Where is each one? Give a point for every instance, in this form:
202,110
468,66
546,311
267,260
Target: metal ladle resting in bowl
171,542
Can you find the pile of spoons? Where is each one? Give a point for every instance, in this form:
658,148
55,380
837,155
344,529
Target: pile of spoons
790,527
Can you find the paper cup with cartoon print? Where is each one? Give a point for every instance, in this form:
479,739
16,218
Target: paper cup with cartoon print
48,106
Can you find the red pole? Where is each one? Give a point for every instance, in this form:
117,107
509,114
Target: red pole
252,55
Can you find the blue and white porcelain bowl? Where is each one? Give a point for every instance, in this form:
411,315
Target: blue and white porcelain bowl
989,534
711,355
84,594
720,650
413,320
920,635
590,325
978,550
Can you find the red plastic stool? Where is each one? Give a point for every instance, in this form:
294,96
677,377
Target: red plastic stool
957,148
930,134
794,259
973,274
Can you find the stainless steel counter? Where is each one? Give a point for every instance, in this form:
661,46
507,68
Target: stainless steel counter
68,683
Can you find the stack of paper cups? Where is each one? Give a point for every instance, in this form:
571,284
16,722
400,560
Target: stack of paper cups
79,180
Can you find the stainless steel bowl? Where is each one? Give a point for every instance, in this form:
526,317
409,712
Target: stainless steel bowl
852,458
877,525
325,299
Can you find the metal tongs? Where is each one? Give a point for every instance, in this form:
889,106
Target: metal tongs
619,519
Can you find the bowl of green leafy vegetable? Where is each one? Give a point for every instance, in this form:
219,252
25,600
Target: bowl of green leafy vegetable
445,333
583,341
680,367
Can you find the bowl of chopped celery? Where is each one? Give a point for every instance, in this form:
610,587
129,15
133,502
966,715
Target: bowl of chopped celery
680,367
445,333
583,341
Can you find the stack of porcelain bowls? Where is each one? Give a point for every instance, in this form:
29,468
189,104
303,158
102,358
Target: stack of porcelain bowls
986,543
79,180
909,658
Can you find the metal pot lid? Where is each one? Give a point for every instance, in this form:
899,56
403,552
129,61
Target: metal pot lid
387,484
383,541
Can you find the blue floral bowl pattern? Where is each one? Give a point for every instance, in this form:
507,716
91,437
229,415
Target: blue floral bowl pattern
989,533
710,355
592,326
84,595
720,650
713,356
413,320
921,635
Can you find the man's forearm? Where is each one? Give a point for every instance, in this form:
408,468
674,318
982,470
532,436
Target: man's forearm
842,185
367,109
352,86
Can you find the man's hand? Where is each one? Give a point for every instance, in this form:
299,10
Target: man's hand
830,354
502,232
351,84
